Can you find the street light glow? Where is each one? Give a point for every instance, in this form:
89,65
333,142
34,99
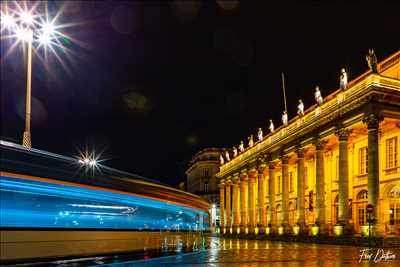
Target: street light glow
7,21
47,29
26,17
44,39
24,34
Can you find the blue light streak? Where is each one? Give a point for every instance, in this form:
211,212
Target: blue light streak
37,204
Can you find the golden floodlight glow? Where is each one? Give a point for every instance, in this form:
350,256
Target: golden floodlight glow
338,230
280,230
296,229
268,230
314,230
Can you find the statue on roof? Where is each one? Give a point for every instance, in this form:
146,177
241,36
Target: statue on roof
221,159
271,126
318,96
372,61
343,80
260,134
285,118
227,156
251,141
235,152
241,146
300,108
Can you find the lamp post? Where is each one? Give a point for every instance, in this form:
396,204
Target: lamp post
26,140
30,29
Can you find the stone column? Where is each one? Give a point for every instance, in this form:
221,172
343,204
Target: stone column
252,202
243,200
222,206
271,188
262,216
343,216
300,213
373,120
228,218
236,203
320,187
285,194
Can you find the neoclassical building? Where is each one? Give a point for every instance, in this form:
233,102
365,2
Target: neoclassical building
318,174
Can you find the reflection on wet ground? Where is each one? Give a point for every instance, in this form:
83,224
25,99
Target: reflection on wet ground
235,252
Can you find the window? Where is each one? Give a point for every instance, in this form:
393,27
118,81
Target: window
206,172
291,182
391,152
206,187
394,207
362,195
363,160
278,184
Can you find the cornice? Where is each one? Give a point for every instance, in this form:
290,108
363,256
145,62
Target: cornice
373,87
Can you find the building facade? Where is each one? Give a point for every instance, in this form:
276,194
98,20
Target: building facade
318,174
201,179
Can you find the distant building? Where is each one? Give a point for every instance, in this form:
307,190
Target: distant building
201,178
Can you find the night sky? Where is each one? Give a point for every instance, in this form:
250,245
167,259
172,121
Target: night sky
151,83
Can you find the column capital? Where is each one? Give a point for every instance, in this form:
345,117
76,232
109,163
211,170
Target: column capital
343,133
271,165
319,144
261,168
372,120
243,175
284,159
261,160
300,151
235,178
221,184
252,173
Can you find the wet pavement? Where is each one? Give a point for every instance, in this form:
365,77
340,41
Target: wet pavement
239,252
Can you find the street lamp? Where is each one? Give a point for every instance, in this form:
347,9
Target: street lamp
28,28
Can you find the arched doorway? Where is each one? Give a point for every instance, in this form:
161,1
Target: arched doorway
335,210
279,214
291,213
360,209
393,199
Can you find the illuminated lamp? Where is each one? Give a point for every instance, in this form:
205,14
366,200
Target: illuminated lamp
256,230
365,230
246,230
231,230
238,230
